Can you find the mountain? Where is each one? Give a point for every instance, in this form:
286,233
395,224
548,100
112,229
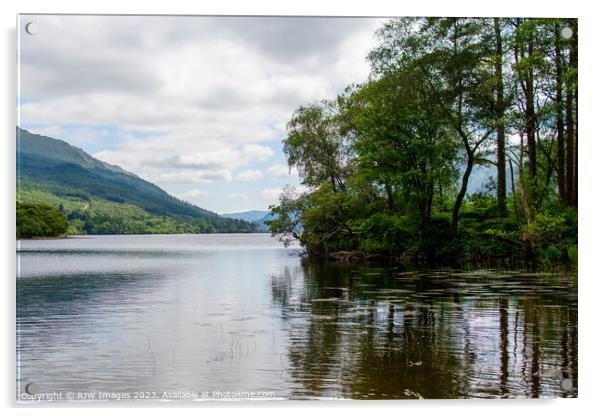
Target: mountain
256,217
261,222
250,216
60,168
58,173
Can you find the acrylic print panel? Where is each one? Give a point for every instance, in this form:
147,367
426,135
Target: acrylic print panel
265,208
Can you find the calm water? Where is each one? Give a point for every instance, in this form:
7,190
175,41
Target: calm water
207,316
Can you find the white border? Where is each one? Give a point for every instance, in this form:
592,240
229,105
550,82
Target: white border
590,230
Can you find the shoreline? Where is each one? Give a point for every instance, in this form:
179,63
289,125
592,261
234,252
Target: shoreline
358,258
83,236
460,262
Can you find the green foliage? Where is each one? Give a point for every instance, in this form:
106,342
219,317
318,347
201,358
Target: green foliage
572,253
381,162
285,221
315,146
98,216
545,229
401,143
39,220
549,254
440,92
325,221
385,233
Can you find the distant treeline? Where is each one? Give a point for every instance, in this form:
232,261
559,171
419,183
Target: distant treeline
98,216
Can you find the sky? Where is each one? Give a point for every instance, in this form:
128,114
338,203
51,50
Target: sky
196,105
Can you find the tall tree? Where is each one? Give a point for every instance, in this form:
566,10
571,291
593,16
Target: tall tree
500,123
315,146
570,134
401,140
573,65
451,53
385,156
458,52
559,64
524,63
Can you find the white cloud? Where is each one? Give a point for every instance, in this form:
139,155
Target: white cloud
249,175
83,135
282,171
193,195
191,100
271,195
186,177
256,151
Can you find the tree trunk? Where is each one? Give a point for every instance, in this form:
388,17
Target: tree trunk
462,193
425,207
560,117
530,113
390,204
500,123
514,206
527,240
525,76
574,50
522,187
570,143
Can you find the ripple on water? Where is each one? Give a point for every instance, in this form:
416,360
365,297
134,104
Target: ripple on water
242,319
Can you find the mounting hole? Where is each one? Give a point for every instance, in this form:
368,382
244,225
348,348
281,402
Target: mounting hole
31,28
566,384
566,32
31,388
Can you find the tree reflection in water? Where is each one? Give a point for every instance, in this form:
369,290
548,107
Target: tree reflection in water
380,333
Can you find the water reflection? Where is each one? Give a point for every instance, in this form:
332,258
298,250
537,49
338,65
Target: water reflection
105,314
379,333
240,313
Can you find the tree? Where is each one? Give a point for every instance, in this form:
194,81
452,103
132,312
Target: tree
39,220
400,140
381,161
457,53
500,109
525,61
559,72
315,146
571,120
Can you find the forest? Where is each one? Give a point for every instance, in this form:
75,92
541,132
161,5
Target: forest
385,165
86,215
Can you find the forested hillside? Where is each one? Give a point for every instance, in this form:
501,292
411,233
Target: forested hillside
99,198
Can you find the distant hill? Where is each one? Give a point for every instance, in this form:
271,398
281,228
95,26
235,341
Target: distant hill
256,217
56,172
261,222
250,216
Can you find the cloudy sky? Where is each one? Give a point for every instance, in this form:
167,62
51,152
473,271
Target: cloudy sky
197,105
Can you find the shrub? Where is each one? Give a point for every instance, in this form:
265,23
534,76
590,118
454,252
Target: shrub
549,254
572,252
